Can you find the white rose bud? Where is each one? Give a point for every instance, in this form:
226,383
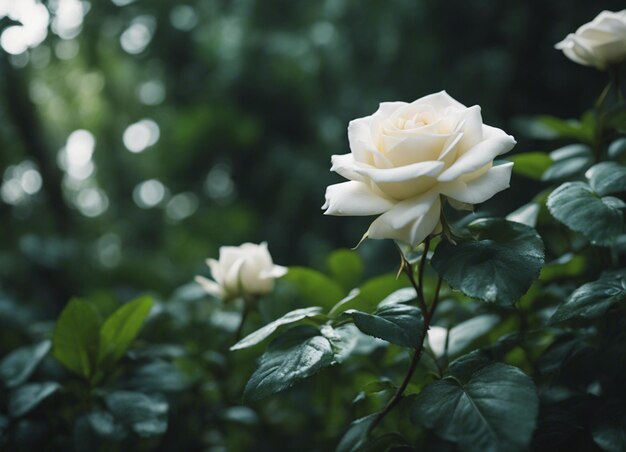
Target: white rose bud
406,156
599,43
245,270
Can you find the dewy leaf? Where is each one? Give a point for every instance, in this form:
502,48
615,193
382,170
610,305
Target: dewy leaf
399,324
343,339
497,264
346,267
121,329
269,329
495,409
25,398
297,354
145,415
18,365
568,161
575,205
592,299
607,177
531,164
75,339
356,436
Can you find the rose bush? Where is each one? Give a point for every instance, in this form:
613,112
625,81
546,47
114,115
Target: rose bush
599,43
246,270
405,157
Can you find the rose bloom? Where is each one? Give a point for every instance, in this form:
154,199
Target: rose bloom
599,43
407,157
241,271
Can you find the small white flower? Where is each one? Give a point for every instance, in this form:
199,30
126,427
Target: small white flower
246,270
599,43
405,157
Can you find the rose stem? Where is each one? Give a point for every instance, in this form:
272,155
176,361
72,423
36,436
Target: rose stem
244,315
417,353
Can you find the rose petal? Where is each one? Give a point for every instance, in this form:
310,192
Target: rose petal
276,271
406,151
232,279
216,270
210,287
360,139
354,198
496,142
440,101
611,52
472,127
409,221
346,166
480,189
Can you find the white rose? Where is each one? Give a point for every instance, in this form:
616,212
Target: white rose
405,156
245,270
599,43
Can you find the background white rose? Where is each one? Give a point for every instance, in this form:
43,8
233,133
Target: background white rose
241,271
405,156
599,43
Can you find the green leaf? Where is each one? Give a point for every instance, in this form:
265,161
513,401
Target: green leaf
567,128
121,329
527,214
575,205
607,177
498,263
371,293
399,324
346,267
314,288
617,148
355,437
494,409
403,295
462,335
263,333
343,340
145,415
293,356
593,299
531,164
568,162
18,365
27,397
75,338
158,376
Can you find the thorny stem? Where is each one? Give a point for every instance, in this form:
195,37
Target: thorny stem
418,351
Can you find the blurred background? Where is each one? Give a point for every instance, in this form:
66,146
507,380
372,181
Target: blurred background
136,137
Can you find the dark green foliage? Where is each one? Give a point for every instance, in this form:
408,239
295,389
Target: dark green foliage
399,324
593,299
251,99
493,408
599,218
16,367
296,355
496,263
